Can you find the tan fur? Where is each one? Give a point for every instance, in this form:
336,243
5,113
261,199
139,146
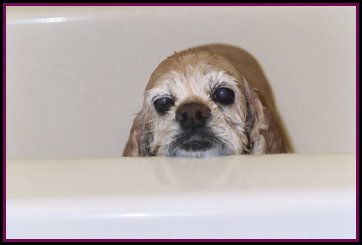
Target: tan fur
188,76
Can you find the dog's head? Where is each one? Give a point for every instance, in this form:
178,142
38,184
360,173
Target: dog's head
197,104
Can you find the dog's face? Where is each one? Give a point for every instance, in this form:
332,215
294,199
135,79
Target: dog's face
196,104
197,107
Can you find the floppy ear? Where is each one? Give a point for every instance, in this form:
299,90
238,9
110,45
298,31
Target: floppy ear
139,139
263,132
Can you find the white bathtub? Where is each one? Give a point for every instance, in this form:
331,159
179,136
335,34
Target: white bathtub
75,77
278,196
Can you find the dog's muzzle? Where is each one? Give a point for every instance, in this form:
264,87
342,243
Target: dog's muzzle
196,139
192,118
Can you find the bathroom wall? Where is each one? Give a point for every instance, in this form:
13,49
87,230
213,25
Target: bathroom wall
75,75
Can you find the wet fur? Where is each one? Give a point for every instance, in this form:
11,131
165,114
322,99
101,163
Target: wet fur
251,125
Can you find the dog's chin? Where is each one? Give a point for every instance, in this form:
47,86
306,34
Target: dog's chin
212,152
198,145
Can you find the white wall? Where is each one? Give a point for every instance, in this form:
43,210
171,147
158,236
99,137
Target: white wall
75,75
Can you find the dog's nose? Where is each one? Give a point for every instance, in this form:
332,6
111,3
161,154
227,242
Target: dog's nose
192,115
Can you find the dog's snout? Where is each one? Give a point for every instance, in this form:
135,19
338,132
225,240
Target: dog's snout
192,115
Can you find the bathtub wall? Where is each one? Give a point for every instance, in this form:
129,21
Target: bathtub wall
75,75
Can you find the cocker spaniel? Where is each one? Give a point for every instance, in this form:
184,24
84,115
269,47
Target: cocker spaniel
209,100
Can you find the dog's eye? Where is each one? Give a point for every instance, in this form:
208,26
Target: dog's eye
163,104
224,96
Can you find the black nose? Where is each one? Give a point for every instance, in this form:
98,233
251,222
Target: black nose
192,115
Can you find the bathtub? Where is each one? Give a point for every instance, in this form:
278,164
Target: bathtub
237,197
75,78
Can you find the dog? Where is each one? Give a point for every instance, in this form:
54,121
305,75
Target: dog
207,101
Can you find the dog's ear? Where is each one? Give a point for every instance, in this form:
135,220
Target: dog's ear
262,131
139,139
132,148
